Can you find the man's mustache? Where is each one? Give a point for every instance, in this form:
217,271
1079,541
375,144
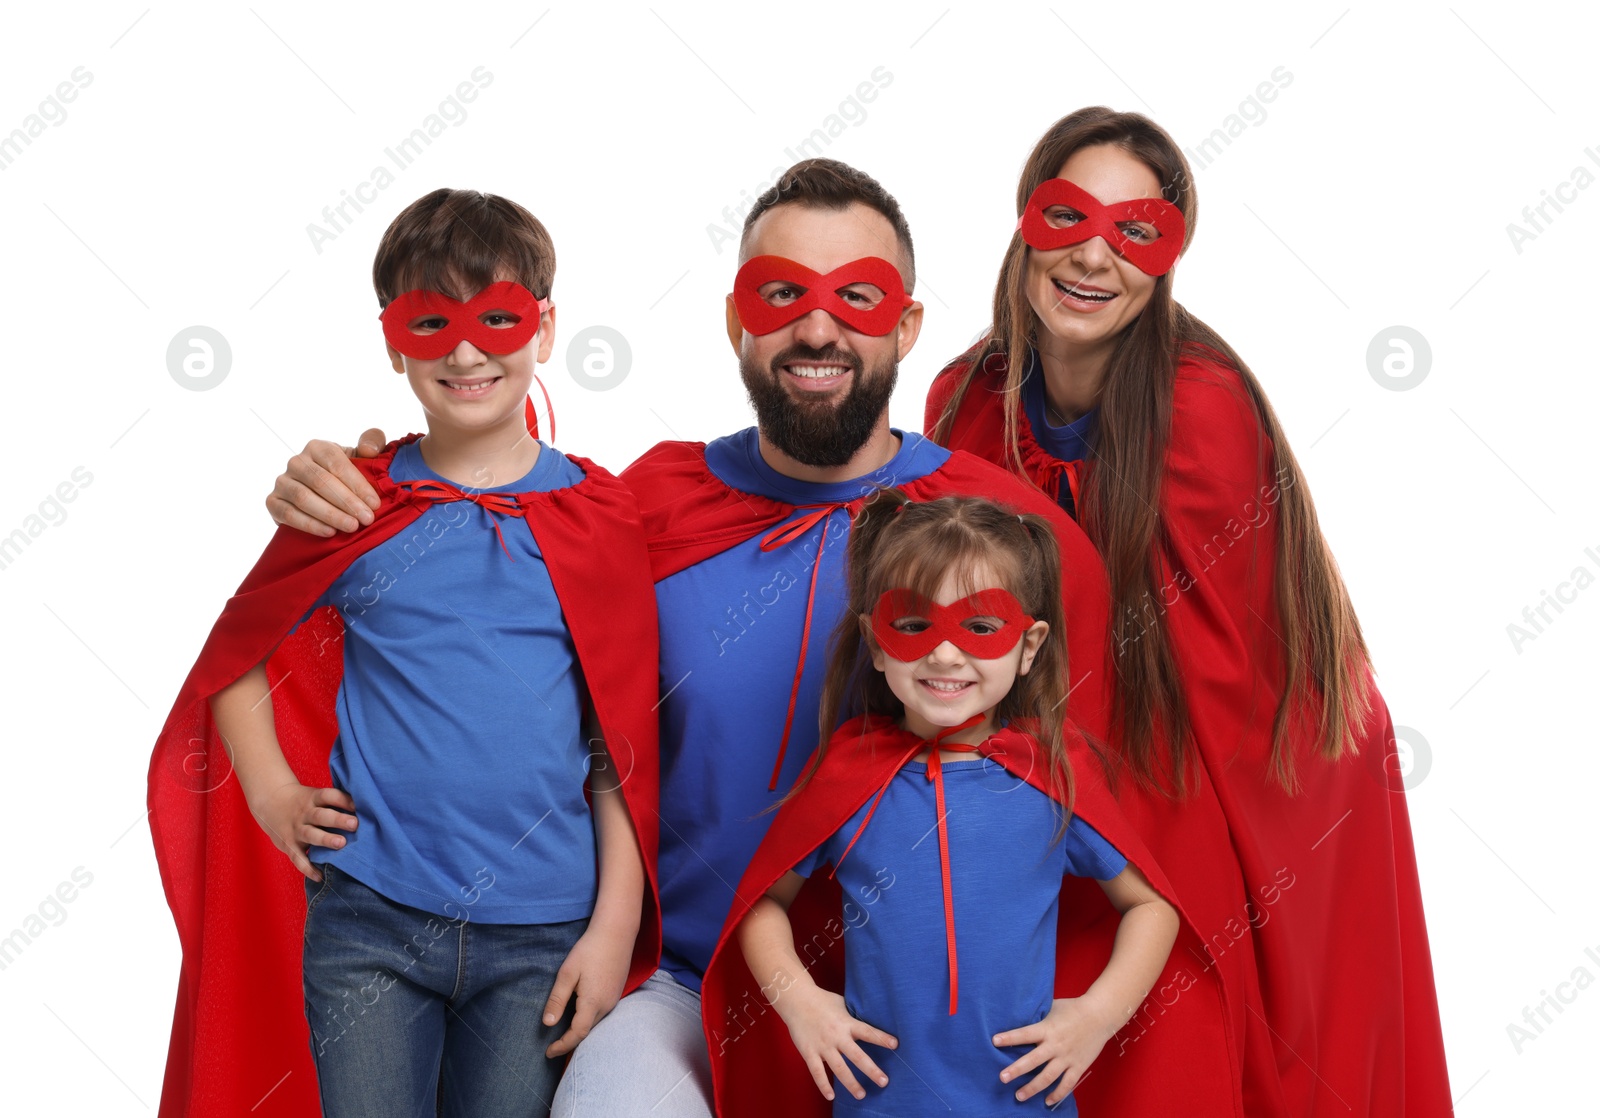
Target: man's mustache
805,355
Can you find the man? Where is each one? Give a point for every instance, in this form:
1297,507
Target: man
748,535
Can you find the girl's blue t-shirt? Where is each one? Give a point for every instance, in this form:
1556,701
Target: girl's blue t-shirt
459,716
1005,872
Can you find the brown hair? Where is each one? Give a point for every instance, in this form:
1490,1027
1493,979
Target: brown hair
827,184
898,543
457,242
1325,655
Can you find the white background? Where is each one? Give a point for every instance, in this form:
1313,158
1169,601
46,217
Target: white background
1376,192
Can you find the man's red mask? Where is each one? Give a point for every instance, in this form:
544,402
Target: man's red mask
1152,257
758,316
463,320
933,624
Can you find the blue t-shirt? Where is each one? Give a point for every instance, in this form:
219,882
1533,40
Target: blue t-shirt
1005,885
730,641
1068,443
459,716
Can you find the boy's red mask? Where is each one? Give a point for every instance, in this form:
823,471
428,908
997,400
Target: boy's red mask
1153,258
462,320
758,316
948,623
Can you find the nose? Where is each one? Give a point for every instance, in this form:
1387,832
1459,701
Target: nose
466,355
945,653
1093,255
818,329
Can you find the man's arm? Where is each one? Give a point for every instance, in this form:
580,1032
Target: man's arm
320,492
294,816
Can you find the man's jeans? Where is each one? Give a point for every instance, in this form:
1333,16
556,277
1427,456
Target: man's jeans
646,1058
399,999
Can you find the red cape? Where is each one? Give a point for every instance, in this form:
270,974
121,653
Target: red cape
1333,950
240,1043
690,515
1171,1057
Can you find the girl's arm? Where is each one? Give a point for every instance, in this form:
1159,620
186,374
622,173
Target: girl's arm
294,816
597,966
1068,1040
821,1027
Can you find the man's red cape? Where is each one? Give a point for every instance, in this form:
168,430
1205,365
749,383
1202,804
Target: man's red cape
1336,982
240,1043
690,515
1172,1057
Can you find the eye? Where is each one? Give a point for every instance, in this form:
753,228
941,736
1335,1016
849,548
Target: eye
1062,216
781,294
909,624
1138,232
500,320
983,626
428,325
864,295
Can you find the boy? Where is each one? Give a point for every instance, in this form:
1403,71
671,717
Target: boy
498,641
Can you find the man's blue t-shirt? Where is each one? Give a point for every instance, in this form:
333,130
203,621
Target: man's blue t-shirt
731,628
1005,874
460,735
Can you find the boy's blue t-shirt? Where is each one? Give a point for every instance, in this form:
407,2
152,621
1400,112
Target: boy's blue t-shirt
459,714
1005,873
730,641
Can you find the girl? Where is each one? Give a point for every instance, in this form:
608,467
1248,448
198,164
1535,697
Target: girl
1244,705
946,807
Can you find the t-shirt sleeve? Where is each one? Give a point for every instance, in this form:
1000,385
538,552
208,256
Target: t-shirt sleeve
818,857
1089,854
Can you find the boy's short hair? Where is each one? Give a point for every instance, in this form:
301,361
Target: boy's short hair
827,184
450,240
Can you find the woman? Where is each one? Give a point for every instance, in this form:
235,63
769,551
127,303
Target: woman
1255,751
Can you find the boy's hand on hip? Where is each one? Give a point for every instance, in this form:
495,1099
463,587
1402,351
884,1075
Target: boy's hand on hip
320,492
596,969
1065,1044
296,818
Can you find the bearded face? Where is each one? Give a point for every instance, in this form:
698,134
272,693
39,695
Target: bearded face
820,429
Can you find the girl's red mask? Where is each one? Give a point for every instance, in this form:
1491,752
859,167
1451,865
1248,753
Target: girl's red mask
758,316
1153,258
462,320
948,623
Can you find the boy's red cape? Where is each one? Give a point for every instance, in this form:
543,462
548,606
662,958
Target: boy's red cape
1336,963
690,515
240,1043
1172,1057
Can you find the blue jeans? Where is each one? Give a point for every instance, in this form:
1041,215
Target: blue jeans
410,1012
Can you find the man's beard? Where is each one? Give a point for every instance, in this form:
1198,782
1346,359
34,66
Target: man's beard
818,432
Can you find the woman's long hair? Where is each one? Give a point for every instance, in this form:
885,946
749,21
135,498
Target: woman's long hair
1325,657
896,543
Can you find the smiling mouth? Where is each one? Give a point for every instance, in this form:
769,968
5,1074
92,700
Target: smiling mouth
816,372
478,386
946,688
1083,293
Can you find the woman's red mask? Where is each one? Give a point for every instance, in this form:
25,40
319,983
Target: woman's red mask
758,316
1152,257
930,624
463,321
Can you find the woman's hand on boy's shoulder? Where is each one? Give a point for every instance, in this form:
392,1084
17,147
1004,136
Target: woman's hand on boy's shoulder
321,492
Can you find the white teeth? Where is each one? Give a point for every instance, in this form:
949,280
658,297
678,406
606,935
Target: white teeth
943,685
815,371
1091,296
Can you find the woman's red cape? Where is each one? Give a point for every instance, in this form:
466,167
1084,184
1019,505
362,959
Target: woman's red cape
1310,904
240,1043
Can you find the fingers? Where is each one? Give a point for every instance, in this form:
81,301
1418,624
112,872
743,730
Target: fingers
819,1075
1069,1083
841,1071
871,1035
1024,1064
295,506
1049,1075
556,1004
1011,1038
302,863
333,809
371,443
864,1062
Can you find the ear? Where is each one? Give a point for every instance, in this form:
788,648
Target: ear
1032,640
547,334
395,360
910,326
735,330
865,621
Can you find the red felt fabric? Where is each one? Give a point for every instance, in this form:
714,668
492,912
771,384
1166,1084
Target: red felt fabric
1328,968
1172,1057
240,1043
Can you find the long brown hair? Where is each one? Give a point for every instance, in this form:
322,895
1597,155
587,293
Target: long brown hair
1325,656
898,543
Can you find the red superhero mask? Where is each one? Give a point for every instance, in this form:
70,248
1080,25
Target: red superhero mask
463,320
1152,257
758,316
949,623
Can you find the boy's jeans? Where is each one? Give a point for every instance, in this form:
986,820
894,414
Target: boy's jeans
399,999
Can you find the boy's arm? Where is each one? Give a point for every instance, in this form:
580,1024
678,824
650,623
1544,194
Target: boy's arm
294,817
597,966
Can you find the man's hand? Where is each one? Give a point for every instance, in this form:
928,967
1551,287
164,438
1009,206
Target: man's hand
296,818
597,969
826,1035
321,492
1065,1044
